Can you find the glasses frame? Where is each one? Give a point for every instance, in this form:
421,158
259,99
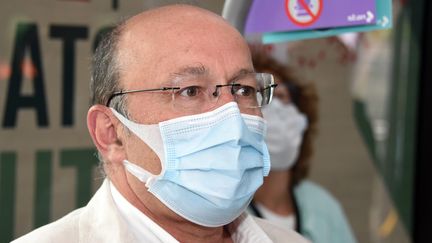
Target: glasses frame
215,93
118,93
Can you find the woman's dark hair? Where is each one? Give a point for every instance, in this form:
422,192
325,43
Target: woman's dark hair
304,96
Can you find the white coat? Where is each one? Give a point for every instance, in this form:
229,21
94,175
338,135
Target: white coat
100,221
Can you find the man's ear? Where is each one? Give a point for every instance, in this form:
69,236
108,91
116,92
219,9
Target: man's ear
102,126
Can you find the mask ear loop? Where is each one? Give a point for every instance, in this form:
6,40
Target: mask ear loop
140,173
150,135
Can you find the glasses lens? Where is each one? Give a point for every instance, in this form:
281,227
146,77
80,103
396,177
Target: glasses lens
268,85
255,90
190,97
251,91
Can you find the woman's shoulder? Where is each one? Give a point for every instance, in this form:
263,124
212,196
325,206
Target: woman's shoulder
308,190
322,217
317,202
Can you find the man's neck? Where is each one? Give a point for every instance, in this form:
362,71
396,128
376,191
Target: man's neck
186,231
180,228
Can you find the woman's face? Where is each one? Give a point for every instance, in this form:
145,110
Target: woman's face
281,92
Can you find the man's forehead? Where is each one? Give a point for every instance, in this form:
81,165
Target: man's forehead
200,71
172,16
176,27
190,70
155,47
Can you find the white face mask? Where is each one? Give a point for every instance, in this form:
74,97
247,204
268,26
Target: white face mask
285,127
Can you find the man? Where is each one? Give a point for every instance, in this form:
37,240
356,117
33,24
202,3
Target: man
177,123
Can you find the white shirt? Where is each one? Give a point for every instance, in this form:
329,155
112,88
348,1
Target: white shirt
105,219
243,229
141,225
286,221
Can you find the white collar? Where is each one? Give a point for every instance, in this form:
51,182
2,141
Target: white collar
141,225
286,221
243,229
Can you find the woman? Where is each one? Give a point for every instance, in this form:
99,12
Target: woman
287,197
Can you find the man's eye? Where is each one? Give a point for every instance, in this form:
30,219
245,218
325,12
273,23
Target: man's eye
245,91
190,91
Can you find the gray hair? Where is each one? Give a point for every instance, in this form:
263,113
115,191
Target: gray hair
105,75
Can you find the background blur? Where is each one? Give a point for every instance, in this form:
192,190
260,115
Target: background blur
47,161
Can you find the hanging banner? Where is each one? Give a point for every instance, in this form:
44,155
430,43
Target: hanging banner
294,15
289,20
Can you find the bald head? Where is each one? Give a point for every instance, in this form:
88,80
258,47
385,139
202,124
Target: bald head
154,44
158,34
174,20
173,15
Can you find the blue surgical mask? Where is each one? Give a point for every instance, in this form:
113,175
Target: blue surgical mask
212,163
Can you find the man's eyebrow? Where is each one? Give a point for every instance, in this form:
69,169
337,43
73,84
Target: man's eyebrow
201,70
241,73
187,71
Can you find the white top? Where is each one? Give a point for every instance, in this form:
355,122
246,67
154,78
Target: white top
140,225
109,217
285,221
243,229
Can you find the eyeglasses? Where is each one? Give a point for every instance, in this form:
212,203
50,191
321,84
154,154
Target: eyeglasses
250,91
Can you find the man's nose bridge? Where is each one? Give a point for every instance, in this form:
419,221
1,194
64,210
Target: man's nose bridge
224,94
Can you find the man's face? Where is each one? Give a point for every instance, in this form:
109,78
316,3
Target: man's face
177,59
175,53
168,47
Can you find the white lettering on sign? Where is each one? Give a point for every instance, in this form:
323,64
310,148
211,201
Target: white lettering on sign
366,17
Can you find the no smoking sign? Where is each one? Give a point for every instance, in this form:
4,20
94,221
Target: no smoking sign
303,12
